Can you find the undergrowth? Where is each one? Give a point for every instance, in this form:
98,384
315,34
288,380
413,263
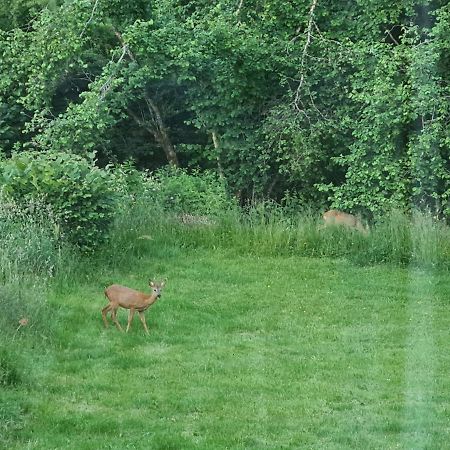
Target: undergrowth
264,229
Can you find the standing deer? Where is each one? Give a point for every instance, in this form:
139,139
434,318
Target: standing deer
335,217
130,299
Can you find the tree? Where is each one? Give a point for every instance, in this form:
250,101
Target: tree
282,99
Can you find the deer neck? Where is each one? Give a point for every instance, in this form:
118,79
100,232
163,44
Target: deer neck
151,299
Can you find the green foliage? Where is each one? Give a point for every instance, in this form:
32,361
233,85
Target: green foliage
28,240
399,158
338,104
9,374
43,61
81,130
19,13
180,192
80,196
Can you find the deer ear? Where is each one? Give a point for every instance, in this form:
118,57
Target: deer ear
151,283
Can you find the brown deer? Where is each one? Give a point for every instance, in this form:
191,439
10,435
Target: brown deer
124,297
335,217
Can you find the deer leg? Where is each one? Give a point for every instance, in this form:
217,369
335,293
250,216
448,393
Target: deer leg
142,317
114,318
130,318
104,312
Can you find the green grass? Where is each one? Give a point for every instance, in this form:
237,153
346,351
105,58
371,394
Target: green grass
395,239
244,352
255,344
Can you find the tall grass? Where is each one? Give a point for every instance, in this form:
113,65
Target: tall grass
414,240
26,243
30,255
265,229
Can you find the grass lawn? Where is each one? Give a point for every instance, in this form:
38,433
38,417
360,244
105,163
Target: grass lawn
243,353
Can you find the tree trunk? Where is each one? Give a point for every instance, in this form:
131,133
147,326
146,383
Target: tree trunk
158,129
216,143
164,141
160,132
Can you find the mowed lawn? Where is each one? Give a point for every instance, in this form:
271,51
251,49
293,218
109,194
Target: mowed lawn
247,353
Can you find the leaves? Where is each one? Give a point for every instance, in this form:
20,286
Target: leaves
343,104
81,196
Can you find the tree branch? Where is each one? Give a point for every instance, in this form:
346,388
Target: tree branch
159,131
238,11
216,144
388,32
90,18
309,32
104,89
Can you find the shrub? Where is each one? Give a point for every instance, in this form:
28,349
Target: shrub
196,193
80,196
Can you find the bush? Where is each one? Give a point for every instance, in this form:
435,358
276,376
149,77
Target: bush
81,197
196,193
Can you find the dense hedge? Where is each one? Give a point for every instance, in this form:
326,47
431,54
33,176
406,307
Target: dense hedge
80,197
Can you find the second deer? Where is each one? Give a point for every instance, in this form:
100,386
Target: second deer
335,217
124,297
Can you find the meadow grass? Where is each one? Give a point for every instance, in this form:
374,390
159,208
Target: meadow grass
256,343
245,353
396,239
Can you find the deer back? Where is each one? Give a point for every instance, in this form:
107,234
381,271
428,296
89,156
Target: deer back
335,217
126,297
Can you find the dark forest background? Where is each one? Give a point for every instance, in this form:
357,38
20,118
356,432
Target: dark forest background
322,103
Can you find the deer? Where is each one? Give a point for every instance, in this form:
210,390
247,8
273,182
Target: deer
127,298
335,217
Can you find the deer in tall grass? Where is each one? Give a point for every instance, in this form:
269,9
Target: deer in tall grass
124,297
335,217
